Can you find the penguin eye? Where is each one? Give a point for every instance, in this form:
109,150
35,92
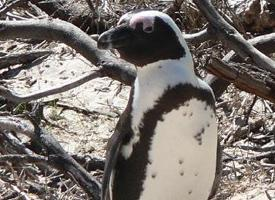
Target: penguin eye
148,29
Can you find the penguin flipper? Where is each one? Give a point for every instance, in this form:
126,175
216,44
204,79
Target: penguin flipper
122,130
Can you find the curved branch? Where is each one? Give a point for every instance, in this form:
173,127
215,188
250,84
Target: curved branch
11,96
230,36
58,30
199,37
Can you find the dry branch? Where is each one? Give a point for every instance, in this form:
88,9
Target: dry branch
11,96
57,156
21,58
11,5
23,158
264,43
245,77
84,16
199,37
58,30
230,36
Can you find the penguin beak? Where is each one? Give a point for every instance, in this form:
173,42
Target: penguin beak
114,38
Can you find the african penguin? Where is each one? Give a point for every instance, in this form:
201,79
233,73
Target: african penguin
165,143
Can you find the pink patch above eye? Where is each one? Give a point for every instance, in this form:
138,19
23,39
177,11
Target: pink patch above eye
147,22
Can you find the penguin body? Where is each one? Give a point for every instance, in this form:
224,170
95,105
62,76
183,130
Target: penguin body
165,143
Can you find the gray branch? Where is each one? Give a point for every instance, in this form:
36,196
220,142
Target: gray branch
13,97
231,37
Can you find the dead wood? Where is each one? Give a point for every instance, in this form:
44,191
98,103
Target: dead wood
264,43
64,162
77,13
90,163
16,98
231,37
245,77
199,37
23,158
11,5
57,156
21,58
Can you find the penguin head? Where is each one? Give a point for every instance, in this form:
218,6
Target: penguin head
144,37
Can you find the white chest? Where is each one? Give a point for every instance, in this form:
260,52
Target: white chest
182,155
151,83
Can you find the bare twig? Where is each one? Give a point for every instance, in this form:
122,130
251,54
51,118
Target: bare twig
17,125
199,37
57,156
21,58
12,5
22,194
86,111
18,146
23,158
11,96
247,114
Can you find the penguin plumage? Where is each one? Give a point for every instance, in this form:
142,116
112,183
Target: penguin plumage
165,143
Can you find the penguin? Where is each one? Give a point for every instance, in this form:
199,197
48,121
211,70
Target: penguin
165,144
